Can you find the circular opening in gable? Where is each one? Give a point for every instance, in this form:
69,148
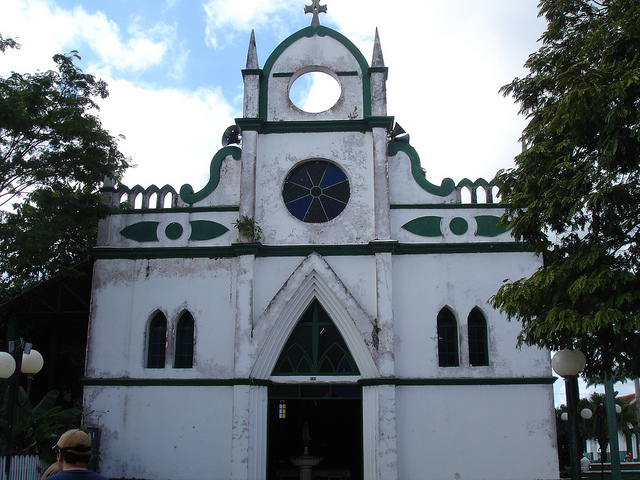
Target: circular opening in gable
315,92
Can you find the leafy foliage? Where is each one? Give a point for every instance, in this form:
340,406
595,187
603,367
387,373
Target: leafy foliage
37,428
574,195
54,155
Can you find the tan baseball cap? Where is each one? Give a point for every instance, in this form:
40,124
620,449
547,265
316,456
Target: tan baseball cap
75,441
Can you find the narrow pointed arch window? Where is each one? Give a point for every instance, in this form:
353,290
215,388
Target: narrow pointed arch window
157,341
478,339
315,347
184,341
447,339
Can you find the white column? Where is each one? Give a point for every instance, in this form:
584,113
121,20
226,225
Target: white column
240,433
386,333
244,316
380,457
381,184
258,412
248,173
387,449
370,433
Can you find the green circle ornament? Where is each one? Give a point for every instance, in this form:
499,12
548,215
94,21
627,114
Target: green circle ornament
459,226
173,231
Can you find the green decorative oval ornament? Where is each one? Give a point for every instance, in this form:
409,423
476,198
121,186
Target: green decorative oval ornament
206,230
489,226
141,232
425,226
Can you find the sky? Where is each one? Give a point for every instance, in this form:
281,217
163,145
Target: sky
174,73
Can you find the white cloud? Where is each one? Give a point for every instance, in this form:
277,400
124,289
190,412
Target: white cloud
44,30
169,133
228,18
447,62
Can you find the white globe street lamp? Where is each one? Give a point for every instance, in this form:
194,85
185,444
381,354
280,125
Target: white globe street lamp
21,359
568,363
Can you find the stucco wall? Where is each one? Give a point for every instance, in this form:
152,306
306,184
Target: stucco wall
163,432
476,432
127,293
424,284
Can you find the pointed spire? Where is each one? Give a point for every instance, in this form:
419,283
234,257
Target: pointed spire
378,60
252,55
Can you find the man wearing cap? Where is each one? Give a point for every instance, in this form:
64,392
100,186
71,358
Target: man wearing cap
73,452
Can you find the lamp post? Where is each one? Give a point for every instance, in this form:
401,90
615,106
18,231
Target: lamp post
568,363
20,359
601,433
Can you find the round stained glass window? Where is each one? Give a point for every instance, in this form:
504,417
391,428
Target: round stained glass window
316,191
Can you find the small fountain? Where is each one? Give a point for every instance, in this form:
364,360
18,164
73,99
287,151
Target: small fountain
306,462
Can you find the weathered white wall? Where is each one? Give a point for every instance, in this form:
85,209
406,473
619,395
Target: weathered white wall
244,307
424,284
163,432
497,432
126,294
315,54
278,154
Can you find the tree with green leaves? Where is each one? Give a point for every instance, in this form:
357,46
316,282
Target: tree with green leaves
54,156
37,427
574,194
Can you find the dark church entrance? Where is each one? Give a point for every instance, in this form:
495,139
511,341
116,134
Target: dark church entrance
333,418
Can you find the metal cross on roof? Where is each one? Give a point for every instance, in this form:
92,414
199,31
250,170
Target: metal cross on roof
315,8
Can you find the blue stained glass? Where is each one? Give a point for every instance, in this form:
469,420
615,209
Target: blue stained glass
300,176
316,191
316,213
332,175
300,207
316,171
331,207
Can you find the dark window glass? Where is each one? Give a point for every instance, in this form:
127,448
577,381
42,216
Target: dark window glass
157,341
447,339
316,191
184,342
315,347
478,343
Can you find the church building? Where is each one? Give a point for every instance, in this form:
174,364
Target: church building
319,309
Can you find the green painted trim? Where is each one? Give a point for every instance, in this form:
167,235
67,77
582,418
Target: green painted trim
401,382
282,74
251,71
206,230
447,186
140,189
378,69
489,226
452,248
251,248
353,250
173,382
314,126
308,32
222,208
481,182
347,74
445,206
141,231
186,191
365,382
383,246
458,226
429,226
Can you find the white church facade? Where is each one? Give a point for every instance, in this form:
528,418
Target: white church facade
349,312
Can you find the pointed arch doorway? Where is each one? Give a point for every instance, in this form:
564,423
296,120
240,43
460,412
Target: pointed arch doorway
314,389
